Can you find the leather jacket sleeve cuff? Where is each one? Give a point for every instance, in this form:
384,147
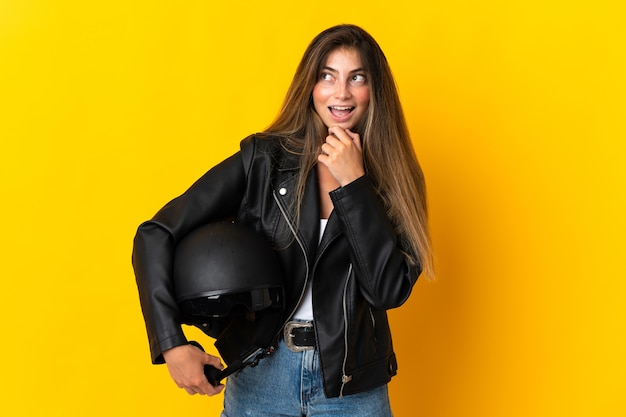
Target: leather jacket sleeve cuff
163,345
357,191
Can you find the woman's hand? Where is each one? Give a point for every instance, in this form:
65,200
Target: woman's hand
342,155
186,366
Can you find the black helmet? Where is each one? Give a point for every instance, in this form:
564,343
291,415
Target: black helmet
229,283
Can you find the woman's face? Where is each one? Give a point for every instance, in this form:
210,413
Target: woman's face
342,92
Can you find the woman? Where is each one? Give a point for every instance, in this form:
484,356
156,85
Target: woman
334,185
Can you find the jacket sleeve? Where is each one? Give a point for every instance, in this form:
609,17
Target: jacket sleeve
385,276
215,196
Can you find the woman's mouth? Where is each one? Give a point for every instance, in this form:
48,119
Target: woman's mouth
341,113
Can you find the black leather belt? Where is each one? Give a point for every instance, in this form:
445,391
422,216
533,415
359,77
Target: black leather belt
299,336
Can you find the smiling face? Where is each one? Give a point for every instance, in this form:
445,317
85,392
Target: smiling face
342,93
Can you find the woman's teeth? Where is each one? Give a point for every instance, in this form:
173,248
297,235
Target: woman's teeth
341,111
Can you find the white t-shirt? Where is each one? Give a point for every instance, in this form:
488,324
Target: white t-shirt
305,309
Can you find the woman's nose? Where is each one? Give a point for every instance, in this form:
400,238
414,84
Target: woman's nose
342,90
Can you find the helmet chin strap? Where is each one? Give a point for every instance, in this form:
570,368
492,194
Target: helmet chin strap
215,376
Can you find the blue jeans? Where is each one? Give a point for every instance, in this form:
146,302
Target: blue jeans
289,383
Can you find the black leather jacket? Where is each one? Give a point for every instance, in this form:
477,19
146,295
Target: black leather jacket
358,270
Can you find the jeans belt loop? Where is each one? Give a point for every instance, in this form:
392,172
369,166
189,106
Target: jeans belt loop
294,343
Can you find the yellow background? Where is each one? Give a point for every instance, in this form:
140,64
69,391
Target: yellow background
517,109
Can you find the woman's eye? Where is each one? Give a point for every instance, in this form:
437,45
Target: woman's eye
358,78
326,76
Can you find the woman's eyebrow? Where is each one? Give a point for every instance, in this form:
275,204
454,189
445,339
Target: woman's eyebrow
360,69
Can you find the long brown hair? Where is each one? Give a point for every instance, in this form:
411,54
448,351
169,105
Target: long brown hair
389,159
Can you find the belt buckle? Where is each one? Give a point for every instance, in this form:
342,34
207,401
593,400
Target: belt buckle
288,335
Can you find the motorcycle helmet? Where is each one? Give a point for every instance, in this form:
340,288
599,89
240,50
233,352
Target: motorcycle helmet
229,283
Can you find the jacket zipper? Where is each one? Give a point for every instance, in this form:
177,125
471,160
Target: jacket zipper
374,328
306,258
345,378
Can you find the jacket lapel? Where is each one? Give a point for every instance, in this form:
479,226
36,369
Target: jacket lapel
308,229
332,231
